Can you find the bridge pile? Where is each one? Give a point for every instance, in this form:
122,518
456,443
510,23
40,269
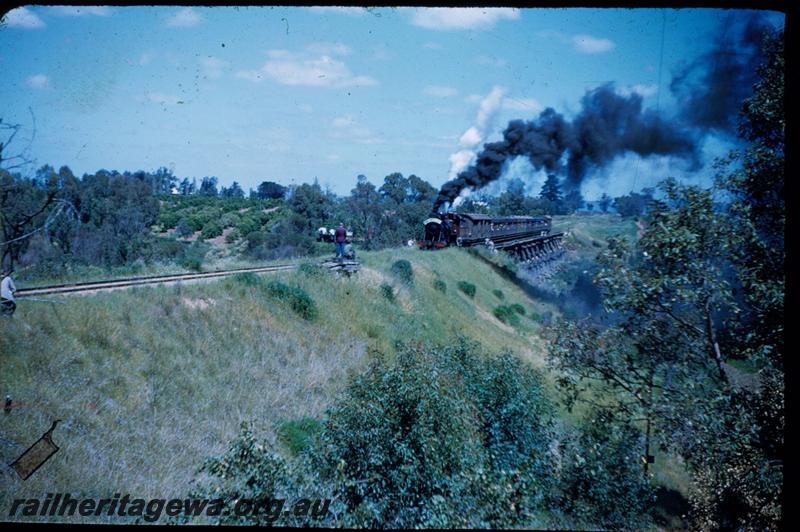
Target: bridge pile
533,250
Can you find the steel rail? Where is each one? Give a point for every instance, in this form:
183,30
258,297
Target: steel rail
142,281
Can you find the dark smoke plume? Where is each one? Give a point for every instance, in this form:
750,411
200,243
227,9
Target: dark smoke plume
710,90
608,125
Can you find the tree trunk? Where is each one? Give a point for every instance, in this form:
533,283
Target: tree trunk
712,338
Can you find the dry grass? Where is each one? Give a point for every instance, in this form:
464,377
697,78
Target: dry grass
151,381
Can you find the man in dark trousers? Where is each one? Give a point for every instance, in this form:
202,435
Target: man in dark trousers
339,238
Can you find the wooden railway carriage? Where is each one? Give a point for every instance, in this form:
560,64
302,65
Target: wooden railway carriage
472,229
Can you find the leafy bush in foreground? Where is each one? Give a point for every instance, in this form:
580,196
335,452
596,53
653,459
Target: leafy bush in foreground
446,437
615,495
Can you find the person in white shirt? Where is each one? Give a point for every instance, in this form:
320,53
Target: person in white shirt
7,289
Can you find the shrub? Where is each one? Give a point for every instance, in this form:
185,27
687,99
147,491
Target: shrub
498,293
255,239
232,236
467,288
211,230
388,292
297,433
402,270
229,219
298,299
248,470
446,433
602,483
193,257
183,229
168,219
506,314
137,266
516,307
440,285
429,438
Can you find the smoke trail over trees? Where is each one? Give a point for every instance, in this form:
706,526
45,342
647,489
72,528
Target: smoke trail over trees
608,125
709,91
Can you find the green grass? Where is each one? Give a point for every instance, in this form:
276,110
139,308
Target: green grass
150,381
587,233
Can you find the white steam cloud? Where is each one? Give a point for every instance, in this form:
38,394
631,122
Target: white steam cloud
476,134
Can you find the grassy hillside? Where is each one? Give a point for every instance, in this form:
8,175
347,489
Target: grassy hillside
151,381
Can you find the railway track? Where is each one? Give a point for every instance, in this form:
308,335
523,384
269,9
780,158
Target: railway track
111,284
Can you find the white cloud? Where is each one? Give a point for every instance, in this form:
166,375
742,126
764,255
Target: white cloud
344,121
522,104
340,10
38,81
328,48
250,75
432,46
22,17
640,89
213,67
461,18
586,44
185,18
347,127
439,91
306,108
491,60
305,69
80,11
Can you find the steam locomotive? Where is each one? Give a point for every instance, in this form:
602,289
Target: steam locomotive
526,237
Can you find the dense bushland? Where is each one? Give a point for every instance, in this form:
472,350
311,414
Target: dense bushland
440,437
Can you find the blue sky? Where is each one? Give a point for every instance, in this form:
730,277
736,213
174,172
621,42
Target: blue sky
293,94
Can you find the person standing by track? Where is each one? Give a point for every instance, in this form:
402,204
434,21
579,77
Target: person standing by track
339,238
8,303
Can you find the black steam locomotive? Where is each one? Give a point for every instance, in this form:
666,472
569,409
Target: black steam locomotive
528,238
